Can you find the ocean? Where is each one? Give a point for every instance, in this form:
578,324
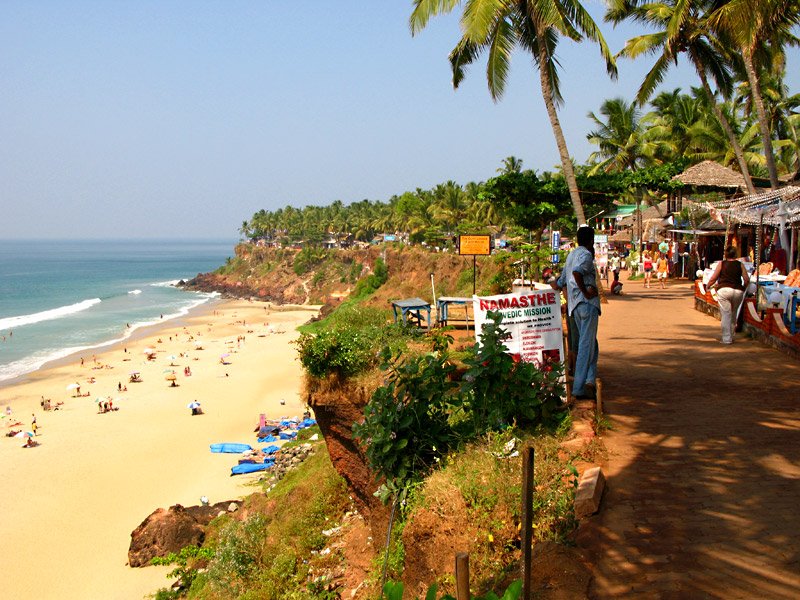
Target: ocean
62,297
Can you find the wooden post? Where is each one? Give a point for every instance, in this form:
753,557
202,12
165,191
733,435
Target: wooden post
527,520
466,315
599,392
462,576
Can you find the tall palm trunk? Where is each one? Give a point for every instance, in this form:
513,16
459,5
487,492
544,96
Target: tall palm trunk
763,123
737,147
555,124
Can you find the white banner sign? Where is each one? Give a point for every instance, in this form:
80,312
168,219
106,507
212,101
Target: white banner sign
533,320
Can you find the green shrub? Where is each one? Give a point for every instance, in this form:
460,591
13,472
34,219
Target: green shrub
405,427
373,281
343,351
307,259
501,390
420,414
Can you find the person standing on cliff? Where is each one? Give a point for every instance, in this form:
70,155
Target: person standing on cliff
583,305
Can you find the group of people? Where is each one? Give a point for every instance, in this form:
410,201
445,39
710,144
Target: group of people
657,262
579,281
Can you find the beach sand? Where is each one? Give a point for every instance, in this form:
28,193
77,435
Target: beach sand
70,504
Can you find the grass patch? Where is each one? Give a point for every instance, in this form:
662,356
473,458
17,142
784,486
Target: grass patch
269,555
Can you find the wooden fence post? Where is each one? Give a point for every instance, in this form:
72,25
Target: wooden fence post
599,393
462,576
527,520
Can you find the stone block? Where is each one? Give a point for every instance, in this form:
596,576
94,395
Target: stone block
589,493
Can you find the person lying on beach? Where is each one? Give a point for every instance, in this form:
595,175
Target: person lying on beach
30,443
13,432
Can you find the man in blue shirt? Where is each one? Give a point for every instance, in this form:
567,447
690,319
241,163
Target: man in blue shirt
583,305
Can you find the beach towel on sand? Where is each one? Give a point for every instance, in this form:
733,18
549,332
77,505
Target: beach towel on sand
250,468
230,448
267,439
288,435
270,449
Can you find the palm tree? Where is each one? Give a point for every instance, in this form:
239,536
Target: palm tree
497,27
751,25
619,137
681,26
511,164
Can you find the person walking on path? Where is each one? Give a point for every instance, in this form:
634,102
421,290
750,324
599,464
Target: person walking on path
583,305
731,279
662,270
647,266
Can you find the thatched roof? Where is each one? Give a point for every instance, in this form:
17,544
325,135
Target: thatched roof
656,212
711,174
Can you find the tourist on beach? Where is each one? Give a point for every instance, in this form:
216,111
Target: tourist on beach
583,304
731,279
647,266
34,426
662,270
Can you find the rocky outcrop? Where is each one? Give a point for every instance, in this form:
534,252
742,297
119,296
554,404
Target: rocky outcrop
288,459
169,530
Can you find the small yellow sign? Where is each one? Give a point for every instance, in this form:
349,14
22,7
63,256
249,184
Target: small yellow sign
475,244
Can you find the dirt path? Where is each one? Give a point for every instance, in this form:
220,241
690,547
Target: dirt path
703,472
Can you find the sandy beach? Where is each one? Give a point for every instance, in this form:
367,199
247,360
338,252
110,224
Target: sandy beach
70,504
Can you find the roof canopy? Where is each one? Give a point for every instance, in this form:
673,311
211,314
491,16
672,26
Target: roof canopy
774,207
711,174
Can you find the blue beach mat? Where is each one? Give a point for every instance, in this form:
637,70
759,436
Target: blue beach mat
269,438
288,435
250,468
270,449
230,448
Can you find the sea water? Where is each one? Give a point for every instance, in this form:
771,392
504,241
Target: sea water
62,297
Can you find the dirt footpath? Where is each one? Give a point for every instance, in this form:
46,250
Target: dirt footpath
703,472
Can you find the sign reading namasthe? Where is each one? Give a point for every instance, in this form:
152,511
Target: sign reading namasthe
533,321
475,245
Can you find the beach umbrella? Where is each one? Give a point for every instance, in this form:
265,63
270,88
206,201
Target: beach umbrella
169,371
134,373
226,355
24,434
193,405
149,351
171,377
74,386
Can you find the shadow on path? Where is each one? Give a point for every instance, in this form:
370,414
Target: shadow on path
703,473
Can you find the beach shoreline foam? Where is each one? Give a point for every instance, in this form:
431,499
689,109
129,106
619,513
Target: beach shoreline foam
71,503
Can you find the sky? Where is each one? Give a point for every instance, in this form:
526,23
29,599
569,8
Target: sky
178,119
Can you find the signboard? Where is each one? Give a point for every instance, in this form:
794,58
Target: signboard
533,321
475,244
555,244
600,238
389,237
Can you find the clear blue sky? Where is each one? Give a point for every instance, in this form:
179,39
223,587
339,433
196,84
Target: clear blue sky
181,119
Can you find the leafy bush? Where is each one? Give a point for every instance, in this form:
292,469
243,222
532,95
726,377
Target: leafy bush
405,427
373,281
307,259
188,560
501,390
344,351
420,414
